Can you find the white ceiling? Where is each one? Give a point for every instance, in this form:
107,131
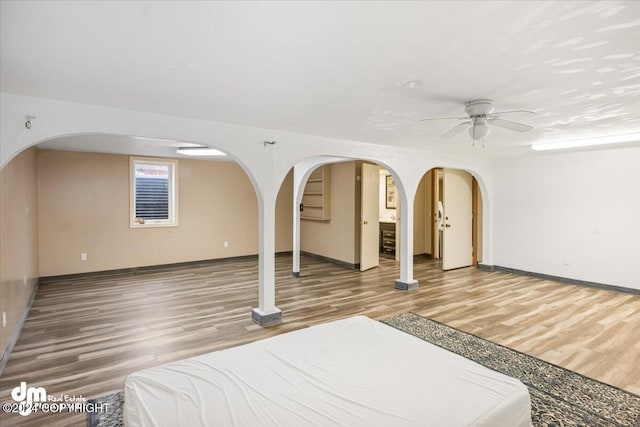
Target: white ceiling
338,69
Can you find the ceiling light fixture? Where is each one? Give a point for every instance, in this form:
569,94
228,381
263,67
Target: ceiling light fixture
586,142
201,151
413,84
151,139
479,129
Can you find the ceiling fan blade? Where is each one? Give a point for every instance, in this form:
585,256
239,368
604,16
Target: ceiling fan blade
443,118
508,124
456,129
513,112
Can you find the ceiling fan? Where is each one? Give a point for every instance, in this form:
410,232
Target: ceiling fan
479,115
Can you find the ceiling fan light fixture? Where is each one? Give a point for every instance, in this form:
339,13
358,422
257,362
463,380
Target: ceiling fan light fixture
479,129
480,116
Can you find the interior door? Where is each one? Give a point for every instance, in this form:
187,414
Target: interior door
369,220
458,219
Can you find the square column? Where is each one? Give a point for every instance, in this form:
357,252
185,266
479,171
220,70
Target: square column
267,313
406,281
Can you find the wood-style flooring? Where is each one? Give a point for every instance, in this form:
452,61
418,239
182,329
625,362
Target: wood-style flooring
82,337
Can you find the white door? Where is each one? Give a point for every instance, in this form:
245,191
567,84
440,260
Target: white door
458,219
369,220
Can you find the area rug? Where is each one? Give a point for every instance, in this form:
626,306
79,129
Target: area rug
112,417
559,397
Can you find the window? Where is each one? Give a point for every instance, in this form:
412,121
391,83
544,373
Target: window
153,193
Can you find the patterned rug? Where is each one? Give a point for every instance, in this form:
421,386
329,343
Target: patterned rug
110,418
559,397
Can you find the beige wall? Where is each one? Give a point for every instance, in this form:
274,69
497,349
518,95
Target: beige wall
84,207
336,237
18,241
422,217
284,215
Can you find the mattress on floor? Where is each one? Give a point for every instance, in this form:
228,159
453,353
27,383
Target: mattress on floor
351,372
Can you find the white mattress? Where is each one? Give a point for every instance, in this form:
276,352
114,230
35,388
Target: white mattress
351,372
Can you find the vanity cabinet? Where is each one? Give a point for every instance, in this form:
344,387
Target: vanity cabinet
388,238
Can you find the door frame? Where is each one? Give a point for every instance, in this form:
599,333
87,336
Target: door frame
477,204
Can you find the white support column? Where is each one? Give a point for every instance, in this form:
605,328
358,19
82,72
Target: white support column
297,180
296,239
406,281
267,312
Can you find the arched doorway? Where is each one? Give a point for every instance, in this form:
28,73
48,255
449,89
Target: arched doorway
448,218
66,210
345,226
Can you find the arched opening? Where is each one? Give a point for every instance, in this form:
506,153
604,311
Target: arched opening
66,211
337,214
448,219
93,188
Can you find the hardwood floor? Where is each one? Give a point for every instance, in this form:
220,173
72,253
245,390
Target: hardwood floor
82,337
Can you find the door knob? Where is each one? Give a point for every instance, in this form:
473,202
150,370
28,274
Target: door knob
447,225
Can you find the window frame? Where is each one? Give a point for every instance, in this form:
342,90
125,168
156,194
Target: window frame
172,221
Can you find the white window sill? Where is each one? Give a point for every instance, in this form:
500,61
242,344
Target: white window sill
153,225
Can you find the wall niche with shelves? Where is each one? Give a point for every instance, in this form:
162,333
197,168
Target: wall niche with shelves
316,198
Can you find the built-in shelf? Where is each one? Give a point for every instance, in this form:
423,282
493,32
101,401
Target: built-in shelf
316,198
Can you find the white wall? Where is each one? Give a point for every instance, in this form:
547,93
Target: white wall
574,215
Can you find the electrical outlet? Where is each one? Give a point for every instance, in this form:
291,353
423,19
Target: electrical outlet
226,244
83,256
4,319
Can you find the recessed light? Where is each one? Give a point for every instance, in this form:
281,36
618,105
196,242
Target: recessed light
201,151
150,139
414,84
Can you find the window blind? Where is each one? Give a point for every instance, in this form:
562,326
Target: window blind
152,198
